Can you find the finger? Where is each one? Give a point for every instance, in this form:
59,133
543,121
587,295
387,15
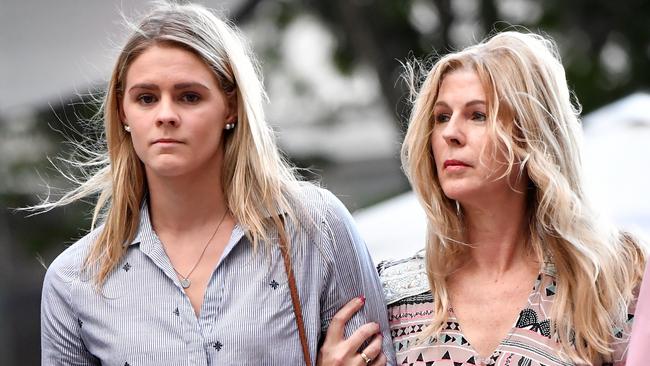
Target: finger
364,333
373,350
337,324
380,361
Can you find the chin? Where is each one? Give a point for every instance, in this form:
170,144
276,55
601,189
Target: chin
459,193
450,190
170,173
167,168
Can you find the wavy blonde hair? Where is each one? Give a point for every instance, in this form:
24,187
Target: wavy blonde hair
257,181
534,121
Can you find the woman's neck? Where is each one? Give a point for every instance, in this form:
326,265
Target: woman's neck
178,204
497,232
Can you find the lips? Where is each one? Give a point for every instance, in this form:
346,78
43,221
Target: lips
454,163
167,141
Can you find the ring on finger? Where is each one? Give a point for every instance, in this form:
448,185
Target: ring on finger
366,359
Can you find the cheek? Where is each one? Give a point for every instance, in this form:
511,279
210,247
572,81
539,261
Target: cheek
494,157
139,137
139,145
128,113
437,147
207,137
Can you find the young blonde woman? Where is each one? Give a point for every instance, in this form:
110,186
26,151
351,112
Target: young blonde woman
518,269
207,251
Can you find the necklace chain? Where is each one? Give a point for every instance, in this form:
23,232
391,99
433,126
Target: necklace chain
185,280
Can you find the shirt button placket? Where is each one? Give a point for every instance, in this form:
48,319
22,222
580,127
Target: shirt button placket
196,354
212,349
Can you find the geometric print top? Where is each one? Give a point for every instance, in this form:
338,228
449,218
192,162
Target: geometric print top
528,343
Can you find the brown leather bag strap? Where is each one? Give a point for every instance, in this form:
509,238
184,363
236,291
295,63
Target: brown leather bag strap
295,299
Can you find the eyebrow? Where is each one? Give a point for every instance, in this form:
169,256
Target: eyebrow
178,86
468,104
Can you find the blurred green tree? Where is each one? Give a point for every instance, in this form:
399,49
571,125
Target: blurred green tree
605,45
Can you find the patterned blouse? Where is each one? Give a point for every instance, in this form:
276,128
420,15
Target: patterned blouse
528,343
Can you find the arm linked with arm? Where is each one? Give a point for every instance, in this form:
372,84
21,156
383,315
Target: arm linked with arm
353,275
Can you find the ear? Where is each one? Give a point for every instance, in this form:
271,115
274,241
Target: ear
231,103
120,109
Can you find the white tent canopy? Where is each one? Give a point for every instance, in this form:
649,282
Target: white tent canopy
394,228
616,162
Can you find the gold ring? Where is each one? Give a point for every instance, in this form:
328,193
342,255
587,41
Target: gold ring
366,358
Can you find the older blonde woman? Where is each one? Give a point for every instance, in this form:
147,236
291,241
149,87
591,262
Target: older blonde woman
518,269
209,251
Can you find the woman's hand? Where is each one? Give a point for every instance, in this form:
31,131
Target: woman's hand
337,351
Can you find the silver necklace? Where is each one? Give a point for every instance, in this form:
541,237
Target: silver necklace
185,280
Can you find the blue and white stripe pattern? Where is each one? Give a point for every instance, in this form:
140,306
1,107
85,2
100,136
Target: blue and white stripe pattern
143,317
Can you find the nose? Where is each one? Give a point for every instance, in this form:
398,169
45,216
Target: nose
167,114
452,131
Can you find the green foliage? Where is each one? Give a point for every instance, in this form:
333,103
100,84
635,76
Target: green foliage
590,33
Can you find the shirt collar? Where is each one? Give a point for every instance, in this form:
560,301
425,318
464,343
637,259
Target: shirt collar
147,238
549,268
145,235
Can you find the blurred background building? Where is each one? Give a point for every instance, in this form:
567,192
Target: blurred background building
332,71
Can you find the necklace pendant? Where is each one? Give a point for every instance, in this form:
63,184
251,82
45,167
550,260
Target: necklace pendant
185,282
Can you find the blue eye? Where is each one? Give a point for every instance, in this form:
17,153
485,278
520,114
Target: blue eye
479,116
441,118
146,99
191,98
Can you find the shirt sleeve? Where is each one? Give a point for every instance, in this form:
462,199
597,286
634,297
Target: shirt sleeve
61,342
353,275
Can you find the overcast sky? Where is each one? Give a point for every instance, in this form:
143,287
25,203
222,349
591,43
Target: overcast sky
51,49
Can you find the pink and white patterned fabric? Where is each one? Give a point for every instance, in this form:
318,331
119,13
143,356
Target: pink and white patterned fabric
640,342
528,343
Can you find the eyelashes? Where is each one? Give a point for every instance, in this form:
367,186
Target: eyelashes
445,117
479,116
187,98
191,98
441,118
146,99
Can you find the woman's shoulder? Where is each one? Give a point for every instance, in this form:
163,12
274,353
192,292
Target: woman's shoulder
403,278
67,265
311,195
319,204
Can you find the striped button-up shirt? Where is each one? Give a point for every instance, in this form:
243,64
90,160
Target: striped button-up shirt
143,317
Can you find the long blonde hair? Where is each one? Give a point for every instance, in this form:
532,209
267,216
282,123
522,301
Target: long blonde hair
534,120
257,182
